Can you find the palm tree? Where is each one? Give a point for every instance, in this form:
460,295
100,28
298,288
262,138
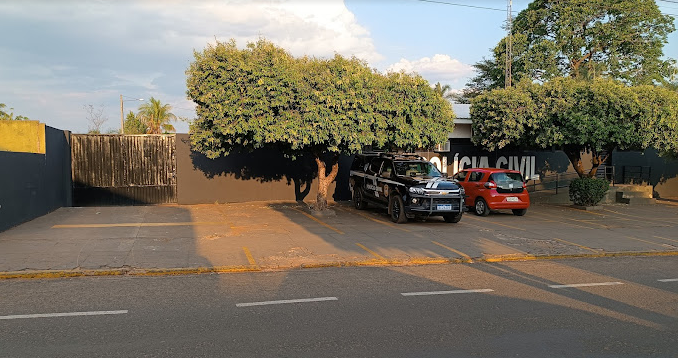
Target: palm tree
442,91
156,116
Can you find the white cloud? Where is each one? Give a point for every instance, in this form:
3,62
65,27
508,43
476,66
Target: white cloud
99,49
439,68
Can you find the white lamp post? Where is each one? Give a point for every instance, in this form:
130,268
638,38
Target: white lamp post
126,100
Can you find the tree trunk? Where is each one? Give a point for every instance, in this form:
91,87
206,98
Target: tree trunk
574,155
597,160
324,180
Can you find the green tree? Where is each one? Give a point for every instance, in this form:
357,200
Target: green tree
262,96
156,117
445,91
10,116
588,39
133,125
577,116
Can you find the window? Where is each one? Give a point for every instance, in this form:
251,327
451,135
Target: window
417,169
461,176
476,176
507,178
387,169
375,166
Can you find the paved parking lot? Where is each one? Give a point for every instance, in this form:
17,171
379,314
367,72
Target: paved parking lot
259,236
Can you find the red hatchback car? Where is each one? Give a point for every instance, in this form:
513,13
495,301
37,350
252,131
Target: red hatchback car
493,189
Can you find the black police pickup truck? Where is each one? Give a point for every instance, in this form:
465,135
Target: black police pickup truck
407,185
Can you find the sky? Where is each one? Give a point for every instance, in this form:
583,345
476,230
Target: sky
58,57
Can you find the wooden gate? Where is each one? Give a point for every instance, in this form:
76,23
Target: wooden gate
123,169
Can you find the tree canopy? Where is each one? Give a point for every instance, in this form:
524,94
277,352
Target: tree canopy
577,116
133,124
261,95
156,116
588,39
9,116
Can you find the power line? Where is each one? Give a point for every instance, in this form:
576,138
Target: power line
453,4
675,2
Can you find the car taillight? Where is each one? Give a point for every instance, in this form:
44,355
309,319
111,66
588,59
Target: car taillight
490,185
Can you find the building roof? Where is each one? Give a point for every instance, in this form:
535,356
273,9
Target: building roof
462,115
461,110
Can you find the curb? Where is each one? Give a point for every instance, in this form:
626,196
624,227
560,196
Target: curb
47,274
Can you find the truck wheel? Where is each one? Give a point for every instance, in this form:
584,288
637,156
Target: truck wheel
519,212
358,200
452,218
397,209
481,208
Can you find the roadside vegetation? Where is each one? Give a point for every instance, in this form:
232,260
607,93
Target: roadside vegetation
588,77
263,96
153,117
7,114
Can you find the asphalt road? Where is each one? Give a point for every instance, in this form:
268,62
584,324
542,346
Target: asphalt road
625,307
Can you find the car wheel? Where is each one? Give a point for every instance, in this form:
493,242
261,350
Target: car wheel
481,208
358,200
452,218
397,209
519,212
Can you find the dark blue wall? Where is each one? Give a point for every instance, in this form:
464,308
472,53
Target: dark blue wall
32,185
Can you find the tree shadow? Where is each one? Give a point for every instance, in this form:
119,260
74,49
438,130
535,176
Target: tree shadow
268,165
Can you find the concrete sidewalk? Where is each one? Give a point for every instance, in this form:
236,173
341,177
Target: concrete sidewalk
176,239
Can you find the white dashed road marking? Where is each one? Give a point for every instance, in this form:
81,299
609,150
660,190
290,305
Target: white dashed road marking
587,284
249,304
668,280
66,314
445,292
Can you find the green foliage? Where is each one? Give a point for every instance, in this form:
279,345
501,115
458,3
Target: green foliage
443,91
156,117
10,116
659,119
133,125
576,116
587,191
588,39
262,95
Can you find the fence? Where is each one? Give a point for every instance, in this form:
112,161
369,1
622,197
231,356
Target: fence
123,169
630,175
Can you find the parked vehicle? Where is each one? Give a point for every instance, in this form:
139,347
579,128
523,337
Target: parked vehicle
494,189
406,185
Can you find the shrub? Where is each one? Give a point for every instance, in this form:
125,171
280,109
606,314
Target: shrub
588,191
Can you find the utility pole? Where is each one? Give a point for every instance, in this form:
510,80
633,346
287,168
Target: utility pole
122,114
508,64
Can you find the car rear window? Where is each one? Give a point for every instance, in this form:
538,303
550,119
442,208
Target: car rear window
506,177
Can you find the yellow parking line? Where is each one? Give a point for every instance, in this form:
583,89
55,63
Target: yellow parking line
465,256
370,251
376,220
664,238
580,221
640,218
585,211
573,243
509,226
319,221
649,242
478,226
249,257
565,223
197,223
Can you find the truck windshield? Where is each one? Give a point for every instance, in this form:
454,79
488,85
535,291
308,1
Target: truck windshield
417,169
